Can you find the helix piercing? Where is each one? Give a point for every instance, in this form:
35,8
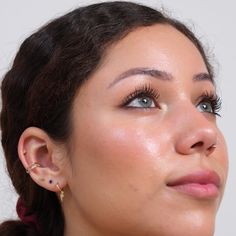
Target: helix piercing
32,166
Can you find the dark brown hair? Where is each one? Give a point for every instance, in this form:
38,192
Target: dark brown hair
39,89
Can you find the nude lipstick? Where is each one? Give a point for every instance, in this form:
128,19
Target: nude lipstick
203,184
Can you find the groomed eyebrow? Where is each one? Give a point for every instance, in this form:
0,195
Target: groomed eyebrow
142,71
203,76
158,74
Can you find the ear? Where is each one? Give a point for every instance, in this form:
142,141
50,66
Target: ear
35,146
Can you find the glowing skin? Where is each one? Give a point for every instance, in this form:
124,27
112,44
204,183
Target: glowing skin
122,158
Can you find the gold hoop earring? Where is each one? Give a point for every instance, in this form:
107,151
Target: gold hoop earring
32,166
62,195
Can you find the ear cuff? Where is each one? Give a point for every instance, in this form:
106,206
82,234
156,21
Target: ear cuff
32,166
35,165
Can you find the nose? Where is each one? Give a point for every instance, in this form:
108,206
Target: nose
197,134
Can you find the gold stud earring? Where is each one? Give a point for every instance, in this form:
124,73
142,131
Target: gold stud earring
32,166
61,192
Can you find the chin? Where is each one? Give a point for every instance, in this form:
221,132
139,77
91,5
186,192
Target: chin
194,226
197,222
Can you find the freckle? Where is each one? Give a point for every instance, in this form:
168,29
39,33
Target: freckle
135,189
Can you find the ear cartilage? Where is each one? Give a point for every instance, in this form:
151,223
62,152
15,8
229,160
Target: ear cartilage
32,166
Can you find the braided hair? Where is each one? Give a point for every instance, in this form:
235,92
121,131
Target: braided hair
53,63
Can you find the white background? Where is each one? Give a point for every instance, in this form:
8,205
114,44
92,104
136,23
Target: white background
213,21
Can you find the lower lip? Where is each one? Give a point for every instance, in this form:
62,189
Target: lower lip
202,191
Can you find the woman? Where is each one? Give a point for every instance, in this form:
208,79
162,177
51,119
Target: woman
109,127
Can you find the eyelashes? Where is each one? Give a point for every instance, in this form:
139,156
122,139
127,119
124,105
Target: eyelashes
214,100
147,97
145,91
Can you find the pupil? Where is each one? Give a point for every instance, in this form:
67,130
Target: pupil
204,106
145,102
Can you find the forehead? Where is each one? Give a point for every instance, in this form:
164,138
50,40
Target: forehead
155,46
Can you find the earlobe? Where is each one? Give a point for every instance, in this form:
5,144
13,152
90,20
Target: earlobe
41,158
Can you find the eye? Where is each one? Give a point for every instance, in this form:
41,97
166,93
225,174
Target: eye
143,101
144,97
209,103
205,107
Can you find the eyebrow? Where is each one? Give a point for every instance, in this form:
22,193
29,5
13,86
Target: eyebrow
158,74
203,76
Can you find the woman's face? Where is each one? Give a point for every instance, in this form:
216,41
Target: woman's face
148,158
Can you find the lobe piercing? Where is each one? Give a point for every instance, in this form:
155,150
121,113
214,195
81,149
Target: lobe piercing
61,192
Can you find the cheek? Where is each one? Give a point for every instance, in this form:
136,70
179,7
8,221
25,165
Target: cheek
118,148
222,155
119,163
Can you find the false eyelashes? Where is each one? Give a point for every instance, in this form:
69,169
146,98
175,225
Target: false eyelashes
148,91
144,91
213,99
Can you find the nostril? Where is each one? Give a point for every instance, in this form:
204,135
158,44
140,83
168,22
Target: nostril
198,144
211,148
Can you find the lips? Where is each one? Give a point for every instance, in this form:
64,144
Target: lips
199,184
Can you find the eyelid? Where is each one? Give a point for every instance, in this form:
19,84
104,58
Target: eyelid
205,96
147,90
214,100
143,90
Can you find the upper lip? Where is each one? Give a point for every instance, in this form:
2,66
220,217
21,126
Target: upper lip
199,177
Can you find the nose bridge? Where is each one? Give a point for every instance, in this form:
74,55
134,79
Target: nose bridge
195,133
